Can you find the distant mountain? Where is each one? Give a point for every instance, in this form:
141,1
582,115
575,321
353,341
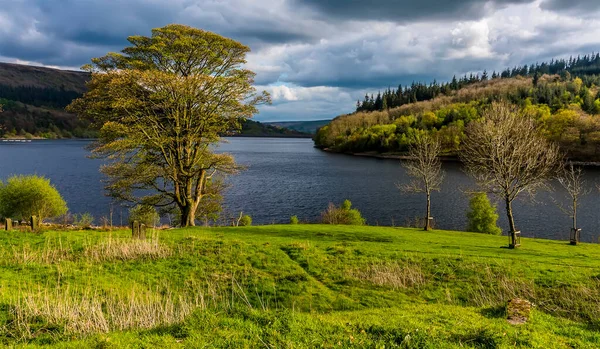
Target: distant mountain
33,101
251,128
302,126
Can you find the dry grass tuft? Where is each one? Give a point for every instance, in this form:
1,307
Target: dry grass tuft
127,249
394,275
49,254
496,288
88,312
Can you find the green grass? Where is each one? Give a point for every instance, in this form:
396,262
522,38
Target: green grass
297,286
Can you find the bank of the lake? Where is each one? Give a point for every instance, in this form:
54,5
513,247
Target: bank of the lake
300,286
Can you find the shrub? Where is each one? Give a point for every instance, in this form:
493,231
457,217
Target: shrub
482,215
24,196
344,214
83,220
144,214
294,220
245,221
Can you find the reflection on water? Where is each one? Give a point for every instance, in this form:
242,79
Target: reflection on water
286,177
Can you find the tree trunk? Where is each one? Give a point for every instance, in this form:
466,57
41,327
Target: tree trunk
427,221
511,222
188,215
574,214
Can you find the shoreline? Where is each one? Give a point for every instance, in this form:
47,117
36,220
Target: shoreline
444,158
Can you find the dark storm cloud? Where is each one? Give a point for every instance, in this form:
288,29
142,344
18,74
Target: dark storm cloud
407,10
75,29
572,6
329,52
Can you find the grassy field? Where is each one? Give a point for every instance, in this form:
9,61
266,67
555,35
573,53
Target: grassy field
294,286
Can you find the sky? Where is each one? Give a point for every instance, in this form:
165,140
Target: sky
316,57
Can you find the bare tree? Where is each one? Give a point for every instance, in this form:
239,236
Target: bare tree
506,154
572,180
425,167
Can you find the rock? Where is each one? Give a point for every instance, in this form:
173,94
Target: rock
518,311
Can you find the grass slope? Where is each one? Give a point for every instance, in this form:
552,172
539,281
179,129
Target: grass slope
297,286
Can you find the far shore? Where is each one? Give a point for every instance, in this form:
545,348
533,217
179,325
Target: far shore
445,158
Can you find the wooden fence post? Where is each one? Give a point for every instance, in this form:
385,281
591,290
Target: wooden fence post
8,224
135,230
35,223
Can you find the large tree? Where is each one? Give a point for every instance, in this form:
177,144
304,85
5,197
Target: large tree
507,155
161,106
424,166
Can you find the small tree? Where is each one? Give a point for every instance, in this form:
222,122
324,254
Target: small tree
294,220
507,155
245,221
482,215
571,178
84,220
24,196
425,167
344,214
144,214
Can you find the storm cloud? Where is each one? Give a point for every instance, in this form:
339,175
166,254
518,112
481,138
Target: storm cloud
317,57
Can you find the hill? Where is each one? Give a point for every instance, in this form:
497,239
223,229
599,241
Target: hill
251,128
33,101
300,286
302,126
565,106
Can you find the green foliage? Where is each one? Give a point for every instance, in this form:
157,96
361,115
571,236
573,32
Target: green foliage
245,221
24,196
294,220
344,214
482,215
84,220
170,157
144,214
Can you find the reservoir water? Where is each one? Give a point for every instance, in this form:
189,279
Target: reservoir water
286,177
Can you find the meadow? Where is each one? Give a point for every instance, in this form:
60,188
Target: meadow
294,286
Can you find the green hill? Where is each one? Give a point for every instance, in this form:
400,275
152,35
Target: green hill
563,96
300,286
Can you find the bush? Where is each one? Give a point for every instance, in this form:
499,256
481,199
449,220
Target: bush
344,214
144,214
245,221
482,215
83,220
24,196
294,220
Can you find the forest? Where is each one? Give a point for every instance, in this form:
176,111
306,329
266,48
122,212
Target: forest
562,95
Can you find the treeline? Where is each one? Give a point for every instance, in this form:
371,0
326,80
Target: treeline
28,121
30,111
586,67
39,96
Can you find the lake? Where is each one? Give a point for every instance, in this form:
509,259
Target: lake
286,177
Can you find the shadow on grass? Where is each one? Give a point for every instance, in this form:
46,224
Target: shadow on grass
497,312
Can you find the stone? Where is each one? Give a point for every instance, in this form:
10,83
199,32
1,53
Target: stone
518,311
